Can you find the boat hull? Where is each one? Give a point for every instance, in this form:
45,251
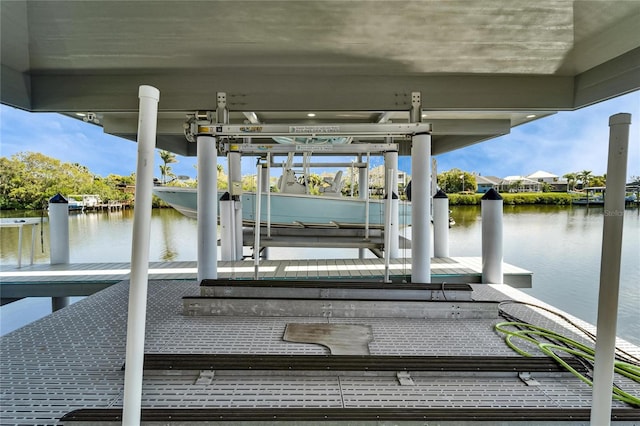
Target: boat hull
294,209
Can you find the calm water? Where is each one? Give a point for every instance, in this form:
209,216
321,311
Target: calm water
561,245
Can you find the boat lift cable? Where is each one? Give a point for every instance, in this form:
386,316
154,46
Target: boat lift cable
627,365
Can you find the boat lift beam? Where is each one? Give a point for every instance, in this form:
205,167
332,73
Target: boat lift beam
360,130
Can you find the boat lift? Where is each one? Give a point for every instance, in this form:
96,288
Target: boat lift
291,183
211,128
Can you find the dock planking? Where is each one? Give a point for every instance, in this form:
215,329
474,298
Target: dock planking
82,279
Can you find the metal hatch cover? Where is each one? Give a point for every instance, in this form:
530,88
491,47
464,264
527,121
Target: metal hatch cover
340,339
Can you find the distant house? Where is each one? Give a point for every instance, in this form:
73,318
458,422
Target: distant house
485,183
519,184
377,179
555,183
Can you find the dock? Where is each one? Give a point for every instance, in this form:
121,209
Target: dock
83,279
67,368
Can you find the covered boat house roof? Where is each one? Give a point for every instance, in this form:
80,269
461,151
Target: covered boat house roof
481,67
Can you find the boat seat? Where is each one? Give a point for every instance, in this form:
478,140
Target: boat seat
335,184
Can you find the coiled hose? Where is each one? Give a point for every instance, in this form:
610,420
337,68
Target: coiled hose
514,328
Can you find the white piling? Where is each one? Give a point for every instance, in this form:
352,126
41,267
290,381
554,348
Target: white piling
440,225
207,208
421,209
610,268
59,230
59,242
492,254
227,228
147,124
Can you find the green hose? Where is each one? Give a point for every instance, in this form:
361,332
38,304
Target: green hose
573,347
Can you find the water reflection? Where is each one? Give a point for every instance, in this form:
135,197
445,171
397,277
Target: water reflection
106,237
9,239
169,251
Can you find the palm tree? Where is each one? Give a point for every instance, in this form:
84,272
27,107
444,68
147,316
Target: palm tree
584,177
165,171
571,181
167,158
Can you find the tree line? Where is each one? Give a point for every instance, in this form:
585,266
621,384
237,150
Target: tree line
29,179
455,181
585,178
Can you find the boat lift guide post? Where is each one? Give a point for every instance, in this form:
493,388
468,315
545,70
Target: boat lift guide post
363,193
235,187
266,188
391,175
256,232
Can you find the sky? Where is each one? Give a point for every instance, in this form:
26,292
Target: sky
562,143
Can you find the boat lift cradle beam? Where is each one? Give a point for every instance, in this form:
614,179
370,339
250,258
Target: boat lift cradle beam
278,149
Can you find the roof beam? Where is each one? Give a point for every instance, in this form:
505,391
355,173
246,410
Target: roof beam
618,76
112,92
469,127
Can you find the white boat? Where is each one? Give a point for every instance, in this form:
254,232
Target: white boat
295,209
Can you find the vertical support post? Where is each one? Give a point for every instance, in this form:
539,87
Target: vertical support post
491,206
352,177
235,184
367,203
440,224
391,164
227,228
59,241
58,230
60,302
306,171
266,189
20,235
207,208
33,243
136,320
421,208
256,232
363,193
388,222
610,268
